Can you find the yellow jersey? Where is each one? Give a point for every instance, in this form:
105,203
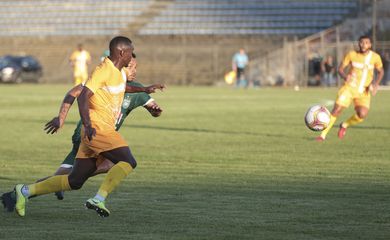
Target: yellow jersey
362,68
80,60
108,85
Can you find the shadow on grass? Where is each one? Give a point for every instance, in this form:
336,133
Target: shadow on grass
336,126
372,127
178,129
200,130
5,178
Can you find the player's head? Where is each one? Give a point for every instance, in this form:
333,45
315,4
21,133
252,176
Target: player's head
121,50
80,46
132,68
364,43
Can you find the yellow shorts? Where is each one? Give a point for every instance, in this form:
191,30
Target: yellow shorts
80,77
348,94
102,142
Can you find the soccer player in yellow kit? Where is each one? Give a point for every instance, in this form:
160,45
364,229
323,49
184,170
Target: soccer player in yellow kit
358,86
79,60
99,105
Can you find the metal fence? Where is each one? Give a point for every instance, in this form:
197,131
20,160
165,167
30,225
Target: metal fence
302,63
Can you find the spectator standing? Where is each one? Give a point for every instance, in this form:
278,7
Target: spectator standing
328,69
239,63
386,67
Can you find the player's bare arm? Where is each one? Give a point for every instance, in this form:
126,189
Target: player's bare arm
149,89
83,101
57,122
342,74
375,84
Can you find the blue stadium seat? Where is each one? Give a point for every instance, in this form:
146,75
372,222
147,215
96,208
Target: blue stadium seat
86,17
72,17
282,17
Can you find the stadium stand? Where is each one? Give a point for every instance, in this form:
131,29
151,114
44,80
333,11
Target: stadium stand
88,17
248,17
177,41
299,55
64,18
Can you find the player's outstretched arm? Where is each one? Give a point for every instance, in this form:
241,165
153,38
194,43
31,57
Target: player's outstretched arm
154,87
148,90
57,122
83,102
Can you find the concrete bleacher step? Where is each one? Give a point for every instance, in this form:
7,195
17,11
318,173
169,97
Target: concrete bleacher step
190,49
73,17
76,17
230,17
146,16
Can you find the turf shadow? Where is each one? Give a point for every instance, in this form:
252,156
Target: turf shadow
200,130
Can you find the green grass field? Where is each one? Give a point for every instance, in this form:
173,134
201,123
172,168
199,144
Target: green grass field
218,164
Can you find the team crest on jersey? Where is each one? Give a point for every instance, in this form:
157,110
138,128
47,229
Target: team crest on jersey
126,102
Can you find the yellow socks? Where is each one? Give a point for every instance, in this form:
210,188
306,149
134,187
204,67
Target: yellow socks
52,184
113,178
61,183
353,120
326,130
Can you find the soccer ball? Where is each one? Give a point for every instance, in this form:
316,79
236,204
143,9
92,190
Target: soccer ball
230,77
317,118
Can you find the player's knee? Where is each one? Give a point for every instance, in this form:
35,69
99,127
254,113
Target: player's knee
362,114
337,110
104,167
76,184
132,162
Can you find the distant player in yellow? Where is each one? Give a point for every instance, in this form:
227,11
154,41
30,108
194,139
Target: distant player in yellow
99,105
358,86
79,60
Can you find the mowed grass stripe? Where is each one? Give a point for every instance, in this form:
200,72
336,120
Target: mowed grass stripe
219,163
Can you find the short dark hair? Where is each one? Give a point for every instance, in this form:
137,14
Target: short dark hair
117,41
365,37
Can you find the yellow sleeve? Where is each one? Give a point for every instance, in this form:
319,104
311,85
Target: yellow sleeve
347,60
73,56
97,80
378,62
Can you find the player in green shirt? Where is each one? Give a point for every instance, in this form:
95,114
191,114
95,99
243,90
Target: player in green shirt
136,95
131,101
